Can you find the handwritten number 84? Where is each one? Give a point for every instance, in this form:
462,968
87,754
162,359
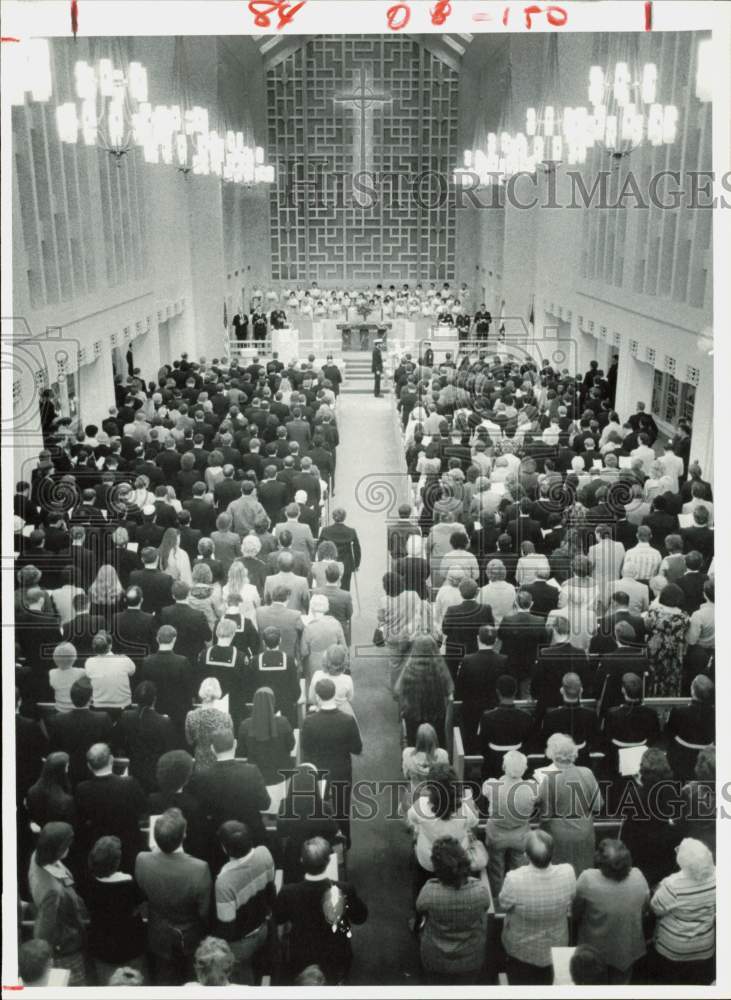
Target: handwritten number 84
263,10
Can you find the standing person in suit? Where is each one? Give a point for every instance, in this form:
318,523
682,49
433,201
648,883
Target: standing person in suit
76,731
190,624
520,634
178,892
462,623
631,723
552,662
320,913
173,677
38,633
503,728
155,585
134,631
692,582
545,595
572,719
691,728
110,804
346,542
476,684
626,658
143,735
330,738
377,367
231,788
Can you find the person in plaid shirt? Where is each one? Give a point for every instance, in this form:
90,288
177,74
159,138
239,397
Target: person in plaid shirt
536,899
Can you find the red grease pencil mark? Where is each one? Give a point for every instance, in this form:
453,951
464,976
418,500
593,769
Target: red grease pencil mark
263,9
648,15
7,38
440,12
11,987
482,17
506,15
398,16
556,16
74,17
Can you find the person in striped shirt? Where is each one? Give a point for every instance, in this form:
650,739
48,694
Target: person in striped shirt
685,907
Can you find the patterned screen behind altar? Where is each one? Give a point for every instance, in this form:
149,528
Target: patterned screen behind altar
363,188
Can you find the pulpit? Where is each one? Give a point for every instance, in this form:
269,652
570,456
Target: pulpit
286,343
362,336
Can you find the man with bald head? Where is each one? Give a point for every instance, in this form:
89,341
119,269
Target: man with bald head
578,722
628,657
536,899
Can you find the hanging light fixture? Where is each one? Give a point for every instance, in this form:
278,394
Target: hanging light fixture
543,123
111,103
704,71
29,70
625,112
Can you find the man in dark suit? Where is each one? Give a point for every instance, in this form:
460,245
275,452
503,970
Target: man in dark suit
691,727
545,595
400,531
149,533
298,429
377,367
525,528
699,537
626,658
155,585
692,581
603,640
173,677
302,904
75,731
81,558
346,542
462,623
273,494
134,630
189,536
330,738
476,685
38,633
193,631
630,723
661,523
503,728
109,804
553,661
227,489
580,723
231,788
202,512
520,634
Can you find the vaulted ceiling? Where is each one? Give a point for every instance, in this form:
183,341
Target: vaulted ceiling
450,48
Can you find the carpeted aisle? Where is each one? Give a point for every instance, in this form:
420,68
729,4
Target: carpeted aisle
378,862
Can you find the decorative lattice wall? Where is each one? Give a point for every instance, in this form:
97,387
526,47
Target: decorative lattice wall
328,229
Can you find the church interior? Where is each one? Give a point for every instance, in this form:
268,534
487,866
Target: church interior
351,376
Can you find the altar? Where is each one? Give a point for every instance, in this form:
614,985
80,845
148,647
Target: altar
362,336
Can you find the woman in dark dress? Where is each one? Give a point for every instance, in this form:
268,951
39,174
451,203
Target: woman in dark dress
116,931
50,799
266,739
143,735
424,688
303,815
649,835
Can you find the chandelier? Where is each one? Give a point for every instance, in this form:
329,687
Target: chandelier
110,105
625,111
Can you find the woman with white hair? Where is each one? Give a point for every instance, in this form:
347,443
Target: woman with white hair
320,633
684,905
569,798
250,549
448,595
658,482
511,802
202,722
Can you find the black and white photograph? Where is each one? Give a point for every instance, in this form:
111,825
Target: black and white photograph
360,398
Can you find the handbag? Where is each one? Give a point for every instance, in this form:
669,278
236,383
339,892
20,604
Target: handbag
378,639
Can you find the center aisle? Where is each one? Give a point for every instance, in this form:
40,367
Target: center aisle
379,860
